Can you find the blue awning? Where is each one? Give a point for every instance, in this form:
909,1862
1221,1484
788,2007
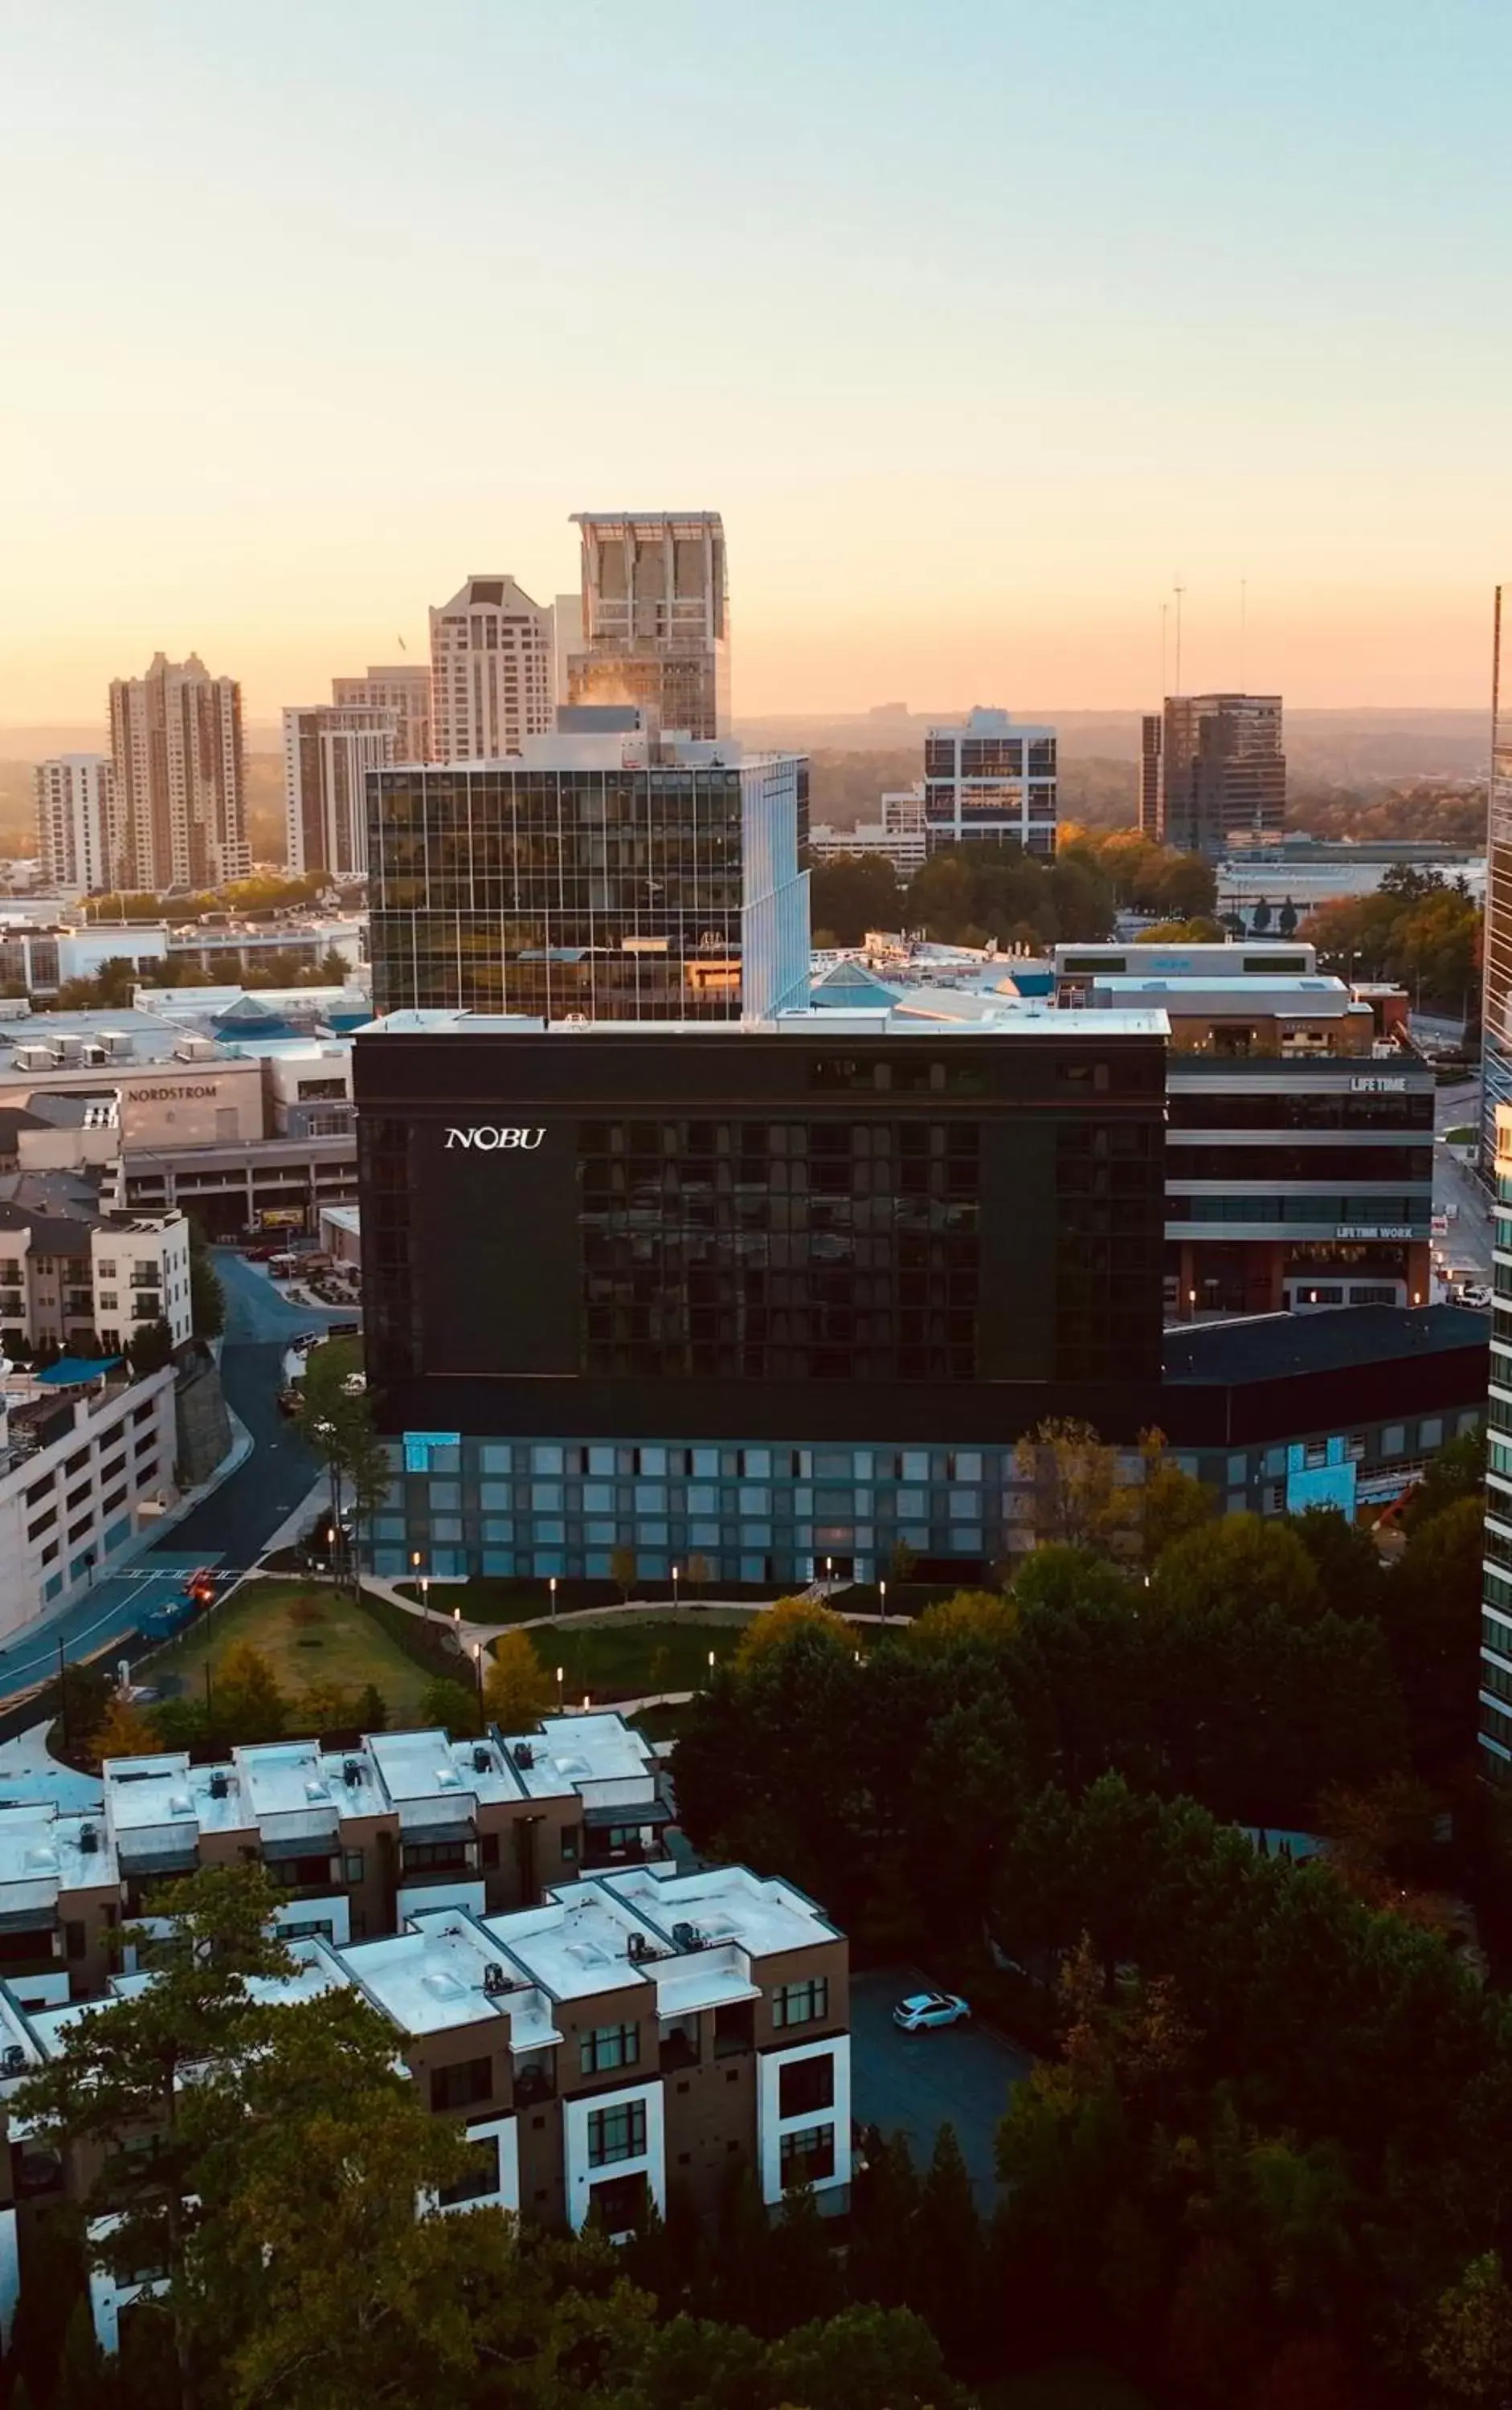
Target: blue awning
69,1370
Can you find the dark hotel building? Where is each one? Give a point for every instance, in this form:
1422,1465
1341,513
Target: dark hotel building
604,874
766,1297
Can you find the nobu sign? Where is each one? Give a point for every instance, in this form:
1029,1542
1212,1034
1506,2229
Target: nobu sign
483,1137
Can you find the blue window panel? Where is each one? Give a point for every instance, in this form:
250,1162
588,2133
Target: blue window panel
650,1497
652,1536
547,1562
752,1569
703,1535
499,1560
705,1465
494,1457
448,1459
755,1501
833,1464
756,1463
388,1527
863,1467
866,1536
449,1563
444,1527
495,1493
598,1497
916,1536
390,1563
756,1535
652,1461
81,1566
967,1464
547,1497
445,1497
702,1499
910,1502
601,1459
654,1566
546,1460
964,1502
965,1540
601,1535
497,1527
118,1535
550,1530
803,1501
914,1464
596,1565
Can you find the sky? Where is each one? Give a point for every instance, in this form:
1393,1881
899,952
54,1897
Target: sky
985,323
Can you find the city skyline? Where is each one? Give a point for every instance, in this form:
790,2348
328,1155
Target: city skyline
1257,358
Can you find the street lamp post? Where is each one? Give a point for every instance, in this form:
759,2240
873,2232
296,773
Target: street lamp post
562,1675
674,1589
711,1664
829,1570
553,1588
882,1588
477,1667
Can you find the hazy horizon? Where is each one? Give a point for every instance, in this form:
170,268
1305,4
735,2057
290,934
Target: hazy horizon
981,325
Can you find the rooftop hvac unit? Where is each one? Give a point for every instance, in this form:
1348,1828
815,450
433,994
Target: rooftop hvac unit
638,1948
482,1762
34,1058
218,1784
686,1937
524,1753
352,1773
89,1841
495,1980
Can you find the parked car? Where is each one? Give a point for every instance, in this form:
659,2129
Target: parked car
922,2010
1476,1293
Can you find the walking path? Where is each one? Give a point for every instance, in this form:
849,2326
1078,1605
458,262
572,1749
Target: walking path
679,1609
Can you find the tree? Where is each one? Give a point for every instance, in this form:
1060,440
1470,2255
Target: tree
1170,1502
1242,1564
1287,919
120,2076
451,1706
622,1570
124,1731
206,1297
853,894
372,1709
1259,920
771,1632
150,1348
246,1702
516,1686
903,1562
858,2359
1456,1471
1468,2354
700,1573
1073,1482
334,1416
945,2286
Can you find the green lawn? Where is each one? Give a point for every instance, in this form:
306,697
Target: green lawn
627,1659
341,1643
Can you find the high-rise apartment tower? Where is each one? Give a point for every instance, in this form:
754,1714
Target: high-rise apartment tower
404,688
180,778
1496,999
990,780
491,672
655,618
75,805
328,749
1222,774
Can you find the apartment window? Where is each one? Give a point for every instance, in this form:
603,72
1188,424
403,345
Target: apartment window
43,1523
117,1497
807,2156
479,2179
352,1866
459,2086
105,1270
109,1302
806,2084
75,1463
617,2133
73,1940
418,1856
609,2047
801,2004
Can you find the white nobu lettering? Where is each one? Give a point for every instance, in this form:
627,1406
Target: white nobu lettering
485,1140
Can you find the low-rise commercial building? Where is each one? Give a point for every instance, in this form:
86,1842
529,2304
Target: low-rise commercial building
87,1464
900,836
72,1276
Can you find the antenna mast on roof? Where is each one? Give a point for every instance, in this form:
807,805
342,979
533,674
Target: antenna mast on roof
1178,590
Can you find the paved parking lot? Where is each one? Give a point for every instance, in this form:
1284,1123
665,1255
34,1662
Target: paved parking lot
914,2083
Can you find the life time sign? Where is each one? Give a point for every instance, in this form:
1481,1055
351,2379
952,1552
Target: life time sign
488,1137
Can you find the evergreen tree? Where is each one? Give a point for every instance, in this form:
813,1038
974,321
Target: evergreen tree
946,2286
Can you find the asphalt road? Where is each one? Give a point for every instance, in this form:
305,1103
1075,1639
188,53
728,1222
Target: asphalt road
1469,1239
914,2083
231,1526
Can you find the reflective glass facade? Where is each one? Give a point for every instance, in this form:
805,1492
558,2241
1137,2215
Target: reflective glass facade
668,891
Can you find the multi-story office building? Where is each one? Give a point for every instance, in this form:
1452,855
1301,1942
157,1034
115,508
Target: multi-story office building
1496,1577
1496,1000
75,815
769,1297
1300,1148
606,876
86,1467
491,672
655,618
990,780
403,688
1220,770
900,835
328,749
1151,739
180,778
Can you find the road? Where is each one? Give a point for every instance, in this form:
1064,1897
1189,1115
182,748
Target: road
230,1526
1469,1239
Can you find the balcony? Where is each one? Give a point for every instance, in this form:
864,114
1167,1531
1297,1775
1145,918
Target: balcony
679,2045
535,2079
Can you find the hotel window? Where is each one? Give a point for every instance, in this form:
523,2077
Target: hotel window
617,2133
457,2087
609,2047
806,2085
801,2004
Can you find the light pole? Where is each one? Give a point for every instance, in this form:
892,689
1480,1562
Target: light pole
477,1667
882,1588
711,1664
675,1589
829,1571
552,1586
562,1675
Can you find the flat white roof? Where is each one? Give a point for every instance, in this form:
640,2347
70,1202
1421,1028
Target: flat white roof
433,1977
42,1853
1015,1017
763,1914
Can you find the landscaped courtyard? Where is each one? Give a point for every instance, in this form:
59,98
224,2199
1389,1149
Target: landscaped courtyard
633,1657
309,1634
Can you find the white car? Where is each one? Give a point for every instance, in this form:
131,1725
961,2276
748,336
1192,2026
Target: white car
1477,1293
922,2010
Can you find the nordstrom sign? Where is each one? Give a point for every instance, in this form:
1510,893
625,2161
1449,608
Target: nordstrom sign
483,1137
